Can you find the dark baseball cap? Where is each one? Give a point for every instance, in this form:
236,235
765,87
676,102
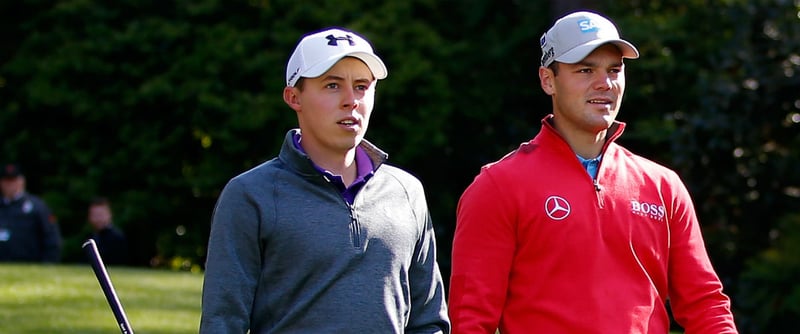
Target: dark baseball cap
10,170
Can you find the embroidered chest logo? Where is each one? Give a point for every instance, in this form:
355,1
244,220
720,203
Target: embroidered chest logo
556,207
650,210
27,206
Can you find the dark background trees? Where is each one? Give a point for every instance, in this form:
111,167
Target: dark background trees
156,105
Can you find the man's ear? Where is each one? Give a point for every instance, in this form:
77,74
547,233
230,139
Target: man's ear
546,78
291,95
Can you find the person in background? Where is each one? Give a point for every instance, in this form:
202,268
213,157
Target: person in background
111,241
326,237
28,229
571,232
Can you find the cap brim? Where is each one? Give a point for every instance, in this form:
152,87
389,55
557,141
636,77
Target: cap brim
578,53
374,63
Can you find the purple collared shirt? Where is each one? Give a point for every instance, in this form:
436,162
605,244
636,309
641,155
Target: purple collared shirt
363,172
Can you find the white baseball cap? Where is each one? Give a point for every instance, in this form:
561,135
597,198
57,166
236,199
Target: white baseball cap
575,36
318,52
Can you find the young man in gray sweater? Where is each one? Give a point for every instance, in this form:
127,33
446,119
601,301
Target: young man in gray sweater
326,237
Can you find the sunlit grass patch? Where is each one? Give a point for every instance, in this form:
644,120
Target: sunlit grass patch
68,299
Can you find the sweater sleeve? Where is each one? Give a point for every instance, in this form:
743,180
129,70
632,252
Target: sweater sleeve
696,298
428,306
483,248
233,263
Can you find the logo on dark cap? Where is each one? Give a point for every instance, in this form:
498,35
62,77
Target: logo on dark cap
333,40
11,170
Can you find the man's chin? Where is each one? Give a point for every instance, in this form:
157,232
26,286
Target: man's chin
609,119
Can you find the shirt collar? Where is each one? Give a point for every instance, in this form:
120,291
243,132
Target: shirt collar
364,166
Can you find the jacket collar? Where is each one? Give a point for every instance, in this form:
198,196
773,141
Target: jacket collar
300,162
551,134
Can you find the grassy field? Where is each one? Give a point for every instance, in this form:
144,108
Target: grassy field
68,299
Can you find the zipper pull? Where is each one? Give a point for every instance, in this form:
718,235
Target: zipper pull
597,189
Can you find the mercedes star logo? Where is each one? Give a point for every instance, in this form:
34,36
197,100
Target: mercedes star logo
557,208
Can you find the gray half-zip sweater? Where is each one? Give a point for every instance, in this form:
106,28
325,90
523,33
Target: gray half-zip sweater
287,253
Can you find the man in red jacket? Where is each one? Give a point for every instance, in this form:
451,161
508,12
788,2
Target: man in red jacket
572,233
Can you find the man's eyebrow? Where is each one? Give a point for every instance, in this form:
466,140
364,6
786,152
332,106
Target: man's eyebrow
365,80
588,63
333,77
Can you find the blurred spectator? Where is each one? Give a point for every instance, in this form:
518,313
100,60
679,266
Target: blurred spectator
28,230
111,241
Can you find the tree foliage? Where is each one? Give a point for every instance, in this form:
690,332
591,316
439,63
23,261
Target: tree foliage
718,101
157,104
769,297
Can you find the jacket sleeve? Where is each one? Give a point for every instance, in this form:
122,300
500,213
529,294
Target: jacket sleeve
51,234
428,305
232,264
696,298
483,248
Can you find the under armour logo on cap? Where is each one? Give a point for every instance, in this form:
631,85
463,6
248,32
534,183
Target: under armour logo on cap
318,52
332,40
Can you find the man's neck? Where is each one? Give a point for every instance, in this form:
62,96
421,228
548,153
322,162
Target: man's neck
343,165
585,144
12,197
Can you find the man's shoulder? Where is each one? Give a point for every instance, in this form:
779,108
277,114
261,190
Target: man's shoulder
111,233
37,201
31,197
258,171
524,154
644,163
400,174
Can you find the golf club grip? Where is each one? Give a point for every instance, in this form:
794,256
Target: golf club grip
105,282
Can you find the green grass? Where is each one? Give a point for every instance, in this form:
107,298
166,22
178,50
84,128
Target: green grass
68,299
45,299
